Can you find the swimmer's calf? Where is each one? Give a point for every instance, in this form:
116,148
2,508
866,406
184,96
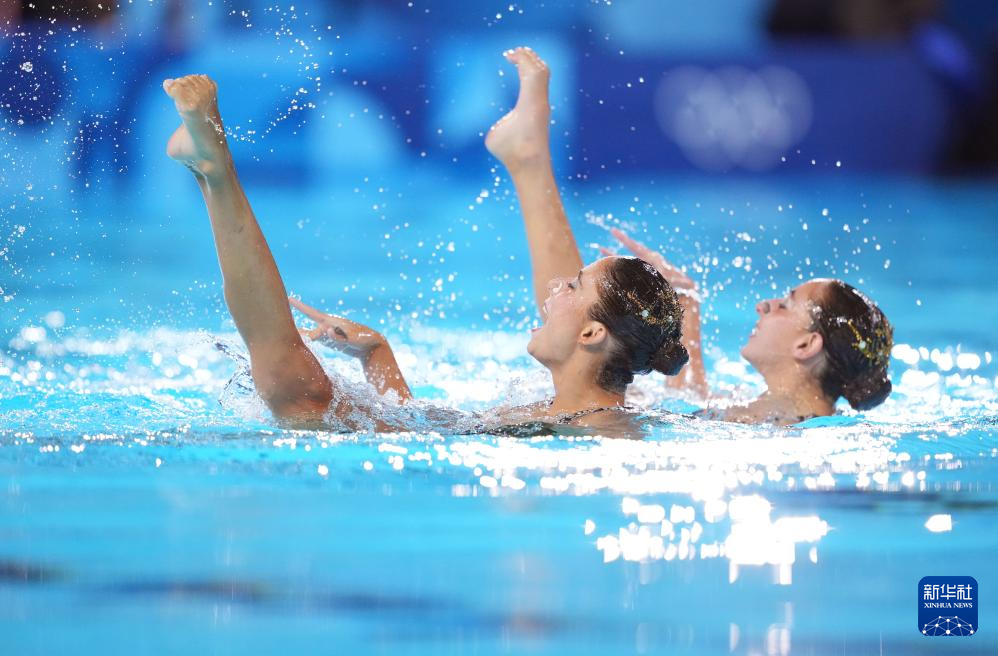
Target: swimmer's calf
520,141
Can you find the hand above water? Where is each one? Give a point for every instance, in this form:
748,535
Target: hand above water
338,333
366,344
673,274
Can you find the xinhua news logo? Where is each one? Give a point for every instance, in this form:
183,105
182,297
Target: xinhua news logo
947,606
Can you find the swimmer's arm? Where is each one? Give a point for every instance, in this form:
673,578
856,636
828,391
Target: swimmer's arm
382,370
694,375
369,346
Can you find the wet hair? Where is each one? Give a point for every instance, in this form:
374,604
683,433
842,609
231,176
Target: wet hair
641,311
857,342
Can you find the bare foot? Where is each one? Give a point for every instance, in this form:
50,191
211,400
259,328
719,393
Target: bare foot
199,142
521,136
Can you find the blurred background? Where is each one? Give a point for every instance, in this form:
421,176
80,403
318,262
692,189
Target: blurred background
318,89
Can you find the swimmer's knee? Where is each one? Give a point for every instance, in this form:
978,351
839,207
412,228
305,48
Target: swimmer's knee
293,392
299,402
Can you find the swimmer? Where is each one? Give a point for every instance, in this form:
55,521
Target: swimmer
287,375
601,324
823,341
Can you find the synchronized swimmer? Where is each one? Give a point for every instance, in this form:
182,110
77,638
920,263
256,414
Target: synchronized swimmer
601,324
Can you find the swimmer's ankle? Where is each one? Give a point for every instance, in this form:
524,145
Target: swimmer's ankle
203,152
519,143
217,173
212,171
530,164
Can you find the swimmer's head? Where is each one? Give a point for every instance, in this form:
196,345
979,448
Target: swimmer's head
619,312
828,327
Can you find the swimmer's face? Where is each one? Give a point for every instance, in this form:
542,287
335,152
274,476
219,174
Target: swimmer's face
565,314
783,331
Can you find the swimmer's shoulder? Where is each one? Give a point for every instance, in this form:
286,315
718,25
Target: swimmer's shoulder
756,412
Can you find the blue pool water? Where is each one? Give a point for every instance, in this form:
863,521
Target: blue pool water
145,508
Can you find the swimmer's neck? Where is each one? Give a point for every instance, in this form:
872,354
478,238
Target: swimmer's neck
577,390
795,391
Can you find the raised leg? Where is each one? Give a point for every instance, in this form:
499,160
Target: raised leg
287,375
520,141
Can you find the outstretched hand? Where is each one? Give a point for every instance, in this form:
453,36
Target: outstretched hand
341,334
673,274
368,345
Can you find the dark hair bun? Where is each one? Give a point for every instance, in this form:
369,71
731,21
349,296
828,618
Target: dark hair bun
868,392
670,358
